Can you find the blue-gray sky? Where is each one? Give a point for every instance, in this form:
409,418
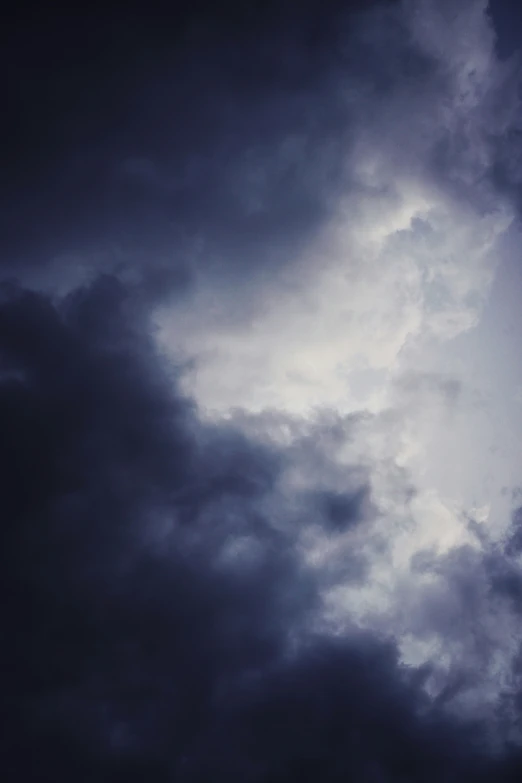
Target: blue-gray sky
261,393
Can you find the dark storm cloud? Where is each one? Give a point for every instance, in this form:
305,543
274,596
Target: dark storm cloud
506,168
101,465
507,17
131,142
156,618
93,93
147,142
159,619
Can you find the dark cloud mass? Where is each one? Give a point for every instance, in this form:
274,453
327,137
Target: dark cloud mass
156,621
140,132
161,620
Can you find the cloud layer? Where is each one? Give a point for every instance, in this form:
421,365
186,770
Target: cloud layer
163,615
261,515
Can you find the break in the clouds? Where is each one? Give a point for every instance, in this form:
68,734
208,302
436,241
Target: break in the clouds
260,419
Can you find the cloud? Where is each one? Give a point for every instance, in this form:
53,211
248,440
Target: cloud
258,471
408,246
160,617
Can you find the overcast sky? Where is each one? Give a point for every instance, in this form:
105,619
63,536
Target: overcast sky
261,393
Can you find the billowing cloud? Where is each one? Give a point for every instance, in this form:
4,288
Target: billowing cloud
260,433
163,616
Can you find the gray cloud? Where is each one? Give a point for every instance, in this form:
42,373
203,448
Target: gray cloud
246,533
159,614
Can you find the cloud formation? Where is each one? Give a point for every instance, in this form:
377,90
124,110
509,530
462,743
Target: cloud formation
261,516
161,618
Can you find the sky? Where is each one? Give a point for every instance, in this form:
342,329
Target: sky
261,393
